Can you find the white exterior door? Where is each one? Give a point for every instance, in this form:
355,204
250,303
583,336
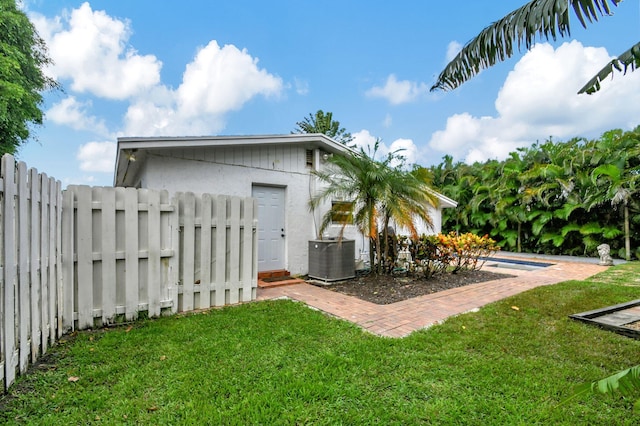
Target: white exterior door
271,231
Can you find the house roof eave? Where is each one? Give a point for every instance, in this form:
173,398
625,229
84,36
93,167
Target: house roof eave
445,202
130,150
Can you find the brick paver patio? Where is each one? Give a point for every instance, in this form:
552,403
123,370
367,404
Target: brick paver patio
402,318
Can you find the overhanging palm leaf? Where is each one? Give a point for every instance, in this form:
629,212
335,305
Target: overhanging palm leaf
629,60
547,19
626,381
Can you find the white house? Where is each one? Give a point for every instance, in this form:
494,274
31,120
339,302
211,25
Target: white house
275,170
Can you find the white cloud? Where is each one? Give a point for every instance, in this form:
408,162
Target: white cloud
398,92
452,50
72,113
404,147
223,79
219,80
539,99
90,48
97,157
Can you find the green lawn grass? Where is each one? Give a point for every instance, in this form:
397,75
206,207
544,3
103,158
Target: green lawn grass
279,362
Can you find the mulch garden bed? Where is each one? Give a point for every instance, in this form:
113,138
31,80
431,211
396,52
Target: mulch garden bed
387,289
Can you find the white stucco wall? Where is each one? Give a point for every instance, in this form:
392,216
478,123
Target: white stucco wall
234,170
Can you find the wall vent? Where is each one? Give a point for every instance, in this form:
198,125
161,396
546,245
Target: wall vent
310,158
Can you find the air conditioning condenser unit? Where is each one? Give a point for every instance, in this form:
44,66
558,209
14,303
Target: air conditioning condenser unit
332,259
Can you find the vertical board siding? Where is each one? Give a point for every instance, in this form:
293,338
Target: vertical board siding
87,257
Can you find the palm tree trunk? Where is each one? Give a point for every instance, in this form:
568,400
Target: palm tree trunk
371,255
378,254
385,238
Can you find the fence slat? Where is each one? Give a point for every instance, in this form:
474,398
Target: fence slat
247,251
68,261
174,261
44,263
131,254
108,233
36,322
23,268
188,264
59,277
221,250
9,272
51,237
234,251
84,250
154,265
205,252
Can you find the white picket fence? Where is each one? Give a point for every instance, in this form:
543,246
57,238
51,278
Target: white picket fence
91,256
31,279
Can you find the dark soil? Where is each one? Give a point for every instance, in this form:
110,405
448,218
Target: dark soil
386,289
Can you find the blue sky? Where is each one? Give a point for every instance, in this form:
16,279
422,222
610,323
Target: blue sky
150,68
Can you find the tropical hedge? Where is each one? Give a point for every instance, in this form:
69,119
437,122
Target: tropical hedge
552,197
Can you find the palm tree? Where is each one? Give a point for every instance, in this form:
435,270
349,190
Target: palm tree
616,180
545,18
323,123
377,192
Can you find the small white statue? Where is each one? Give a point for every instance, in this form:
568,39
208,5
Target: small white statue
605,257
404,257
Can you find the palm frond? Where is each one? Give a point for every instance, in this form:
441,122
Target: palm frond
626,382
546,19
628,61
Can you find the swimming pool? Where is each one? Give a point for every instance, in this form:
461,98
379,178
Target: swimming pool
526,265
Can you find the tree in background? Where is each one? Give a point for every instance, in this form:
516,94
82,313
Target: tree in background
323,122
618,177
23,55
545,18
552,197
